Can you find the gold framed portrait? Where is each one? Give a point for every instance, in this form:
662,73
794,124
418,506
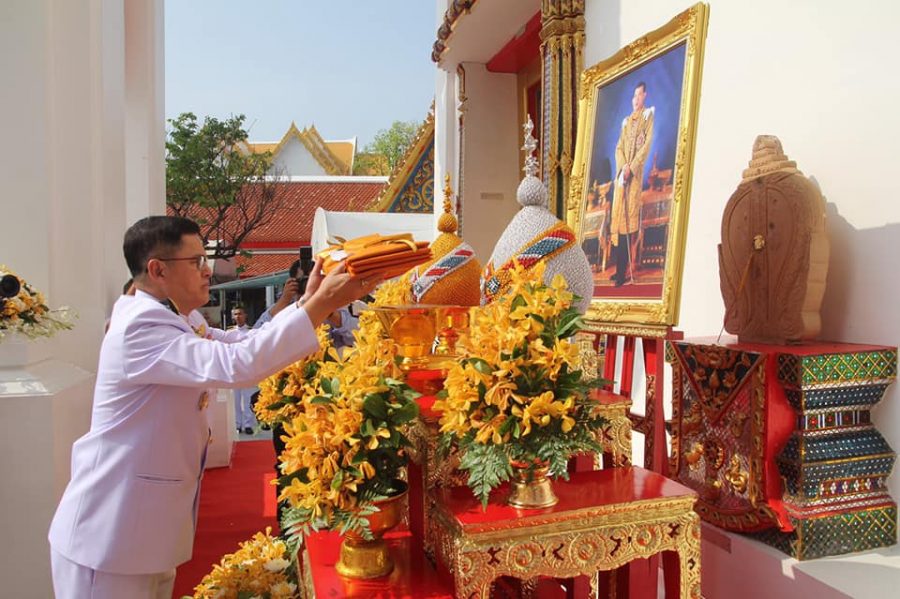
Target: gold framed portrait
631,174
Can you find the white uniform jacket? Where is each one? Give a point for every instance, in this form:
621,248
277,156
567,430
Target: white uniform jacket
130,505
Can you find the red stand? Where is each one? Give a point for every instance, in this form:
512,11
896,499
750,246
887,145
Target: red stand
413,576
641,579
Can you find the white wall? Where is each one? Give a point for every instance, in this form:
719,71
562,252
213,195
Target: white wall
820,76
295,160
490,158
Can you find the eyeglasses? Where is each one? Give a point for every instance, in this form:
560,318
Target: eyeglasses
200,261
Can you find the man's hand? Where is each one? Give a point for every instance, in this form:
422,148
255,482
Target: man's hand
314,280
288,296
335,290
289,293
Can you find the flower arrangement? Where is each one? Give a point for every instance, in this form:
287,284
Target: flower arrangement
395,292
345,445
24,310
280,394
519,397
259,568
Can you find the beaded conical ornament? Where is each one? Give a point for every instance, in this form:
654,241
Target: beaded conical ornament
536,235
452,277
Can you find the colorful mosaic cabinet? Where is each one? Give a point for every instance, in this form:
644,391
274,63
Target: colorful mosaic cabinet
808,471
836,463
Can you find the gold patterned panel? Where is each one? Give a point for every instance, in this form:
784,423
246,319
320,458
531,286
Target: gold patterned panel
562,51
721,454
416,197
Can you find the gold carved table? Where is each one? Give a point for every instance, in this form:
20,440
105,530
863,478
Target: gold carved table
604,519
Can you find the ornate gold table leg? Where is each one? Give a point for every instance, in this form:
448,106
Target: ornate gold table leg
620,432
689,560
471,572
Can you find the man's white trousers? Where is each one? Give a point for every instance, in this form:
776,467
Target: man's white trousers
74,581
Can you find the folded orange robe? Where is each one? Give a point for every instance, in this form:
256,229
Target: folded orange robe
386,256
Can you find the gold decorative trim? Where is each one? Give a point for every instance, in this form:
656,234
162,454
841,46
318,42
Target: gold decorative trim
316,146
615,435
757,493
306,582
562,50
461,106
688,27
398,178
627,329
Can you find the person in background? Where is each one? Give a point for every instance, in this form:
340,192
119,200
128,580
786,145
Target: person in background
128,515
289,293
342,323
244,419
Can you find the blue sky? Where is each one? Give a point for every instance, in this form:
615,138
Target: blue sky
351,67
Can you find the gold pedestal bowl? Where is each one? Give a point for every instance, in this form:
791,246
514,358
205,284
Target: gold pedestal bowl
426,335
363,559
531,489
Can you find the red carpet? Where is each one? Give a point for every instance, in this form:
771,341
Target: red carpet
235,503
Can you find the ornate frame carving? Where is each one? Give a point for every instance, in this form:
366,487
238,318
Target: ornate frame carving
625,315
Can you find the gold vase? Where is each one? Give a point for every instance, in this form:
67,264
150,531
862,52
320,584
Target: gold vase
363,559
531,488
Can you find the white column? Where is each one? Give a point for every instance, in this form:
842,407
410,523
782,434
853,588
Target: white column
446,130
145,135
63,190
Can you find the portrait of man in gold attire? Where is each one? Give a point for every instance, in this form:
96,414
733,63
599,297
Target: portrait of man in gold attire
632,150
630,177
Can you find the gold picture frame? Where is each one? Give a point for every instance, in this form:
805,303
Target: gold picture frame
631,174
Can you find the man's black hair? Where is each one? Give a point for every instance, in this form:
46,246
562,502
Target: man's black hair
238,307
152,236
294,269
641,84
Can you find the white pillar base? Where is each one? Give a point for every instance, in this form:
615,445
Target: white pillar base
44,406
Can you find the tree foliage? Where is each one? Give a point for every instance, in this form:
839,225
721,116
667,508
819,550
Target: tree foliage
210,179
386,149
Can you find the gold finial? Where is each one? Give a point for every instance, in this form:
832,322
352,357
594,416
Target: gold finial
447,222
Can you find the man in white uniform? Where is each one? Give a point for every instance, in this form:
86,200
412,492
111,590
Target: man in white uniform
244,420
127,517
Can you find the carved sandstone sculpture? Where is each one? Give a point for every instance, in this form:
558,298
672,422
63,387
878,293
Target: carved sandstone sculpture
773,258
